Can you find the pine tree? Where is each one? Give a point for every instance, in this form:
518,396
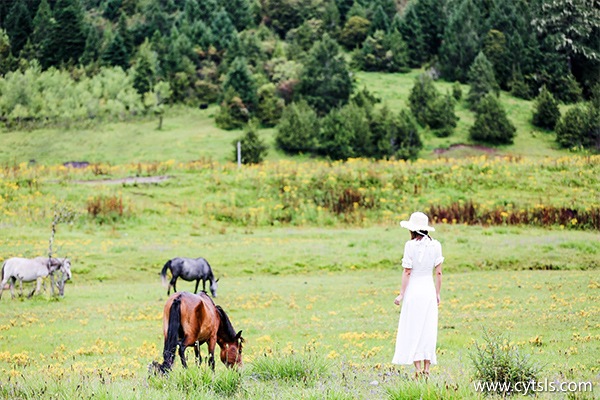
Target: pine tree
18,25
116,53
298,129
325,82
43,27
253,148
410,27
223,30
461,41
241,81
68,40
496,50
239,12
422,94
481,80
146,65
93,43
546,113
491,123
406,141
343,7
379,21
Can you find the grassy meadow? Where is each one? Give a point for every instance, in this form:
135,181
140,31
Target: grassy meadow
308,255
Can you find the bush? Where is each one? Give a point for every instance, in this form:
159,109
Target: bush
233,113
546,113
382,52
491,123
345,133
576,129
355,32
254,149
298,129
497,360
441,117
270,106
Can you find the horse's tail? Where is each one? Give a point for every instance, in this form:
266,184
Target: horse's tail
163,274
172,337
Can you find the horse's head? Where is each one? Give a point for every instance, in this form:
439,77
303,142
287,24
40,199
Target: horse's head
213,287
231,352
66,268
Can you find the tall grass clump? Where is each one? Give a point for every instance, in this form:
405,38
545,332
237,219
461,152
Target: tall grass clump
203,382
427,390
105,209
497,360
290,368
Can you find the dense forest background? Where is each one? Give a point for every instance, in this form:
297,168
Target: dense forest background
289,64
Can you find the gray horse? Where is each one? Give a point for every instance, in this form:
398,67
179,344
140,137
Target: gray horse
34,269
189,269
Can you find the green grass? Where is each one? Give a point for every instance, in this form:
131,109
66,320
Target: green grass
190,133
338,327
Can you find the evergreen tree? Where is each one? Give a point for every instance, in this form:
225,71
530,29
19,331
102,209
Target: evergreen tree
343,7
43,27
270,106
546,113
18,25
116,53
345,133
405,140
571,129
241,81
68,41
491,123
253,148
441,117
93,43
207,9
496,51
357,10
382,52
380,21
422,94
432,16
298,129
461,41
112,9
7,61
233,113
481,80
125,34
325,82
239,12
412,32
223,30
146,65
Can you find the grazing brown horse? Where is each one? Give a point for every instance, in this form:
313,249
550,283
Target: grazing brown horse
193,319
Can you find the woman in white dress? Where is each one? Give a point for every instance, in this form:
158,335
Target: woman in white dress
420,297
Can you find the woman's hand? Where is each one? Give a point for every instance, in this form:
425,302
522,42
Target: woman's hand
438,299
398,299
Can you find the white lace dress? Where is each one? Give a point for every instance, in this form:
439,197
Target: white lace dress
417,328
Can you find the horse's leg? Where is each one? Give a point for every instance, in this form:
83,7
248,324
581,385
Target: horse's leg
13,282
197,353
38,284
182,348
21,286
211,353
172,283
197,283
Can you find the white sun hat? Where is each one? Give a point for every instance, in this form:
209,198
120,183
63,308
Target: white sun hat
417,222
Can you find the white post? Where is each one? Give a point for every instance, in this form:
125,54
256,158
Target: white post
239,154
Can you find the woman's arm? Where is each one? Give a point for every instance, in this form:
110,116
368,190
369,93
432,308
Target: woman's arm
405,278
438,281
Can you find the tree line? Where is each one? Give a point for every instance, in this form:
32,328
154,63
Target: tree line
289,64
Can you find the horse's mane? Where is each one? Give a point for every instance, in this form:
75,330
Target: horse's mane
225,327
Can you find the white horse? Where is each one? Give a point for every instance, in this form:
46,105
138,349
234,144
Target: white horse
35,269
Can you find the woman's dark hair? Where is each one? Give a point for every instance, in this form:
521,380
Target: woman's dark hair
414,234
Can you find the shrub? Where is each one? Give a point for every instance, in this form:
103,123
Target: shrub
345,133
498,360
355,32
233,113
105,209
546,113
441,117
491,123
254,150
270,106
576,128
382,52
298,129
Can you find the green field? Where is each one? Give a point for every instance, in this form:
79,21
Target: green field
308,255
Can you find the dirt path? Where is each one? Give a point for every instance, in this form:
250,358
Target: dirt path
128,181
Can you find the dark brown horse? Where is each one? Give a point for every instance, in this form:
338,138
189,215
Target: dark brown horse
193,319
